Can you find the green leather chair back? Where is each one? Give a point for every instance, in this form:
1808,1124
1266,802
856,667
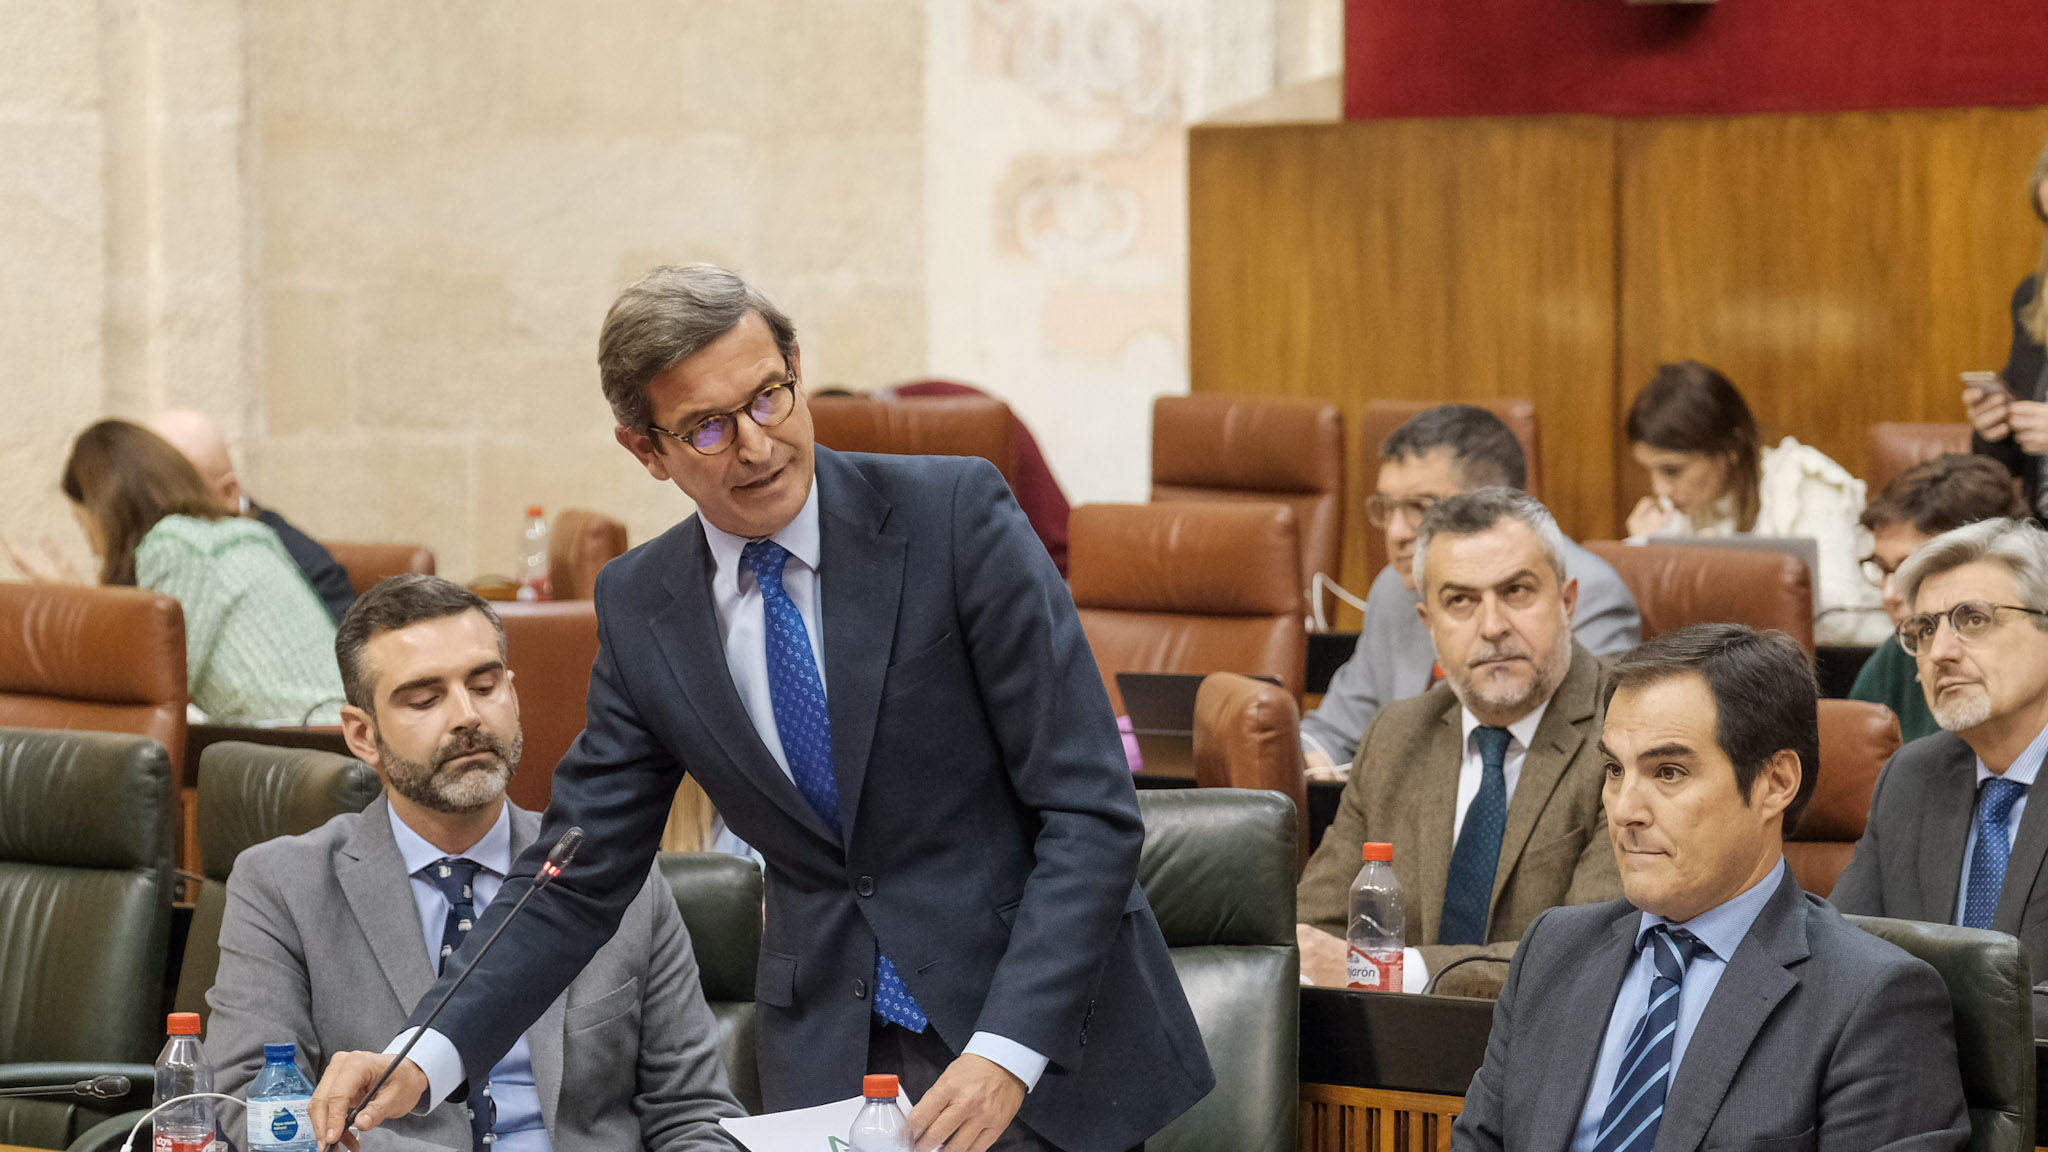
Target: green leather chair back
85,911
1218,868
1988,982
249,793
720,899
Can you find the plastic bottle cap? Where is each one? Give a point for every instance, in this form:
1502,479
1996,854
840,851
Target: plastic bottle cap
1380,852
533,510
183,1024
280,1053
879,1087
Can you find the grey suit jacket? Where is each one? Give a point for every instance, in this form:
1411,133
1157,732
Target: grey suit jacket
1909,863
1403,790
1394,653
321,945
1819,1036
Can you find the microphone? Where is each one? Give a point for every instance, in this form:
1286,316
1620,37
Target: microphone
99,1088
558,859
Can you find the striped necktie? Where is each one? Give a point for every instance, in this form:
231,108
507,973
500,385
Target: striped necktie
1636,1104
456,877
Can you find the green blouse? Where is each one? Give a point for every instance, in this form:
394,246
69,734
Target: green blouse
1890,677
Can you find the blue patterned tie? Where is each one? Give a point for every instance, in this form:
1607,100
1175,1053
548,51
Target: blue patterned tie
1477,854
455,876
1987,863
1636,1104
797,694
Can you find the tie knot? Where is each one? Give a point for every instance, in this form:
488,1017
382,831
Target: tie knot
453,875
1673,949
1493,742
765,558
1999,796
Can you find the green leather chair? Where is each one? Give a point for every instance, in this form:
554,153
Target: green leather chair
1988,982
720,899
85,920
249,793
1218,867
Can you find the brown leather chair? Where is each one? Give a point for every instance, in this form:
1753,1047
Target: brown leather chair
1189,588
579,544
368,563
550,646
1216,446
1248,735
1856,738
1894,447
1676,585
919,426
1382,417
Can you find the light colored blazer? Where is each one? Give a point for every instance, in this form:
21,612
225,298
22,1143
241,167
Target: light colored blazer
321,945
1403,790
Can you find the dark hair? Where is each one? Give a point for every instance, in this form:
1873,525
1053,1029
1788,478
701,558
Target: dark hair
1690,407
396,602
1946,492
127,478
667,316
1485,451
1765,698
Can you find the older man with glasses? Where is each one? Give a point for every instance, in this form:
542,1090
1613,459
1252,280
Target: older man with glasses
1951,838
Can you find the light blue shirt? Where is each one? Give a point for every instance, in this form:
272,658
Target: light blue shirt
2023,771
518,1126
1722,929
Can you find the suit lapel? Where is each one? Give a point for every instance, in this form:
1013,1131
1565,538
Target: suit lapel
862,570
544,1039
374,882
1432,800
1950,803
2023,868
1556,740
1572,1036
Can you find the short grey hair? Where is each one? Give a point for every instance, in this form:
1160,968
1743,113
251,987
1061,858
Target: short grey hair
2020,545
666,316
1480,509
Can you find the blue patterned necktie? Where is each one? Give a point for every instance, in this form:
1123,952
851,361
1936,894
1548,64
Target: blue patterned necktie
1987,863
1636,1105
1469,889
796,694
455,877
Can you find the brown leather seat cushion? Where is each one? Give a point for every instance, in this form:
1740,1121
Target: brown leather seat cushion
581,543
1248,735
1856,738
1892,447
919,426
550,647
1677,584
368,563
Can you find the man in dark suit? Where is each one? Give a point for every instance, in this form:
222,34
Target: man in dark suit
1718,1005
1951,838
875,672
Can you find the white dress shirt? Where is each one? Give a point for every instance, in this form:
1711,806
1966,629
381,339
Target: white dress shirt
2023,771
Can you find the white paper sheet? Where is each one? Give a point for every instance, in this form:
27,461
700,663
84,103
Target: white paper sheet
819,1129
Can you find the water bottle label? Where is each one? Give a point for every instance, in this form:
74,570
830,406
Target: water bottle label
165,1142
1375,971
275,1122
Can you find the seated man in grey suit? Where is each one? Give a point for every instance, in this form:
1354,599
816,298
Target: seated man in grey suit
1951,838
1487,785
1441,452
1718,1006
330,938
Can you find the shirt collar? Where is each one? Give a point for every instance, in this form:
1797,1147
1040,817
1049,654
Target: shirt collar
2024,769
1722,927
1523,730
799,537
494,851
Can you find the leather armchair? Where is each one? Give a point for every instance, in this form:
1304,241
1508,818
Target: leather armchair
720,899
1218,868
919,426
1216,446
1382,417
581,543
368,563
1248,735
1989,984
249,793
1892,447
85,919
1189,588
1676,585
550,647
1856,738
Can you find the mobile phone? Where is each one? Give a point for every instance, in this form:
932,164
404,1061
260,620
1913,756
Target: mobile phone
1987,381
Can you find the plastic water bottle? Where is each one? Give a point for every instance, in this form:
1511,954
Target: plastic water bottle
879,1127
533,557
280,1104
1378,923
189,1126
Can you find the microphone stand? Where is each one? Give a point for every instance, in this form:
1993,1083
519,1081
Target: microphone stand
97,1088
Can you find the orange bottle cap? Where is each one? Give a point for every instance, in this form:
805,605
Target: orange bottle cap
879,1087
1380,852
533,510
183,1024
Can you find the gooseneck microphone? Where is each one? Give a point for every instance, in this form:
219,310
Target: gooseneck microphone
98,1088
558,859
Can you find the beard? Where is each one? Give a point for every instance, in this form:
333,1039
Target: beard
1512,695
1959,711
439,786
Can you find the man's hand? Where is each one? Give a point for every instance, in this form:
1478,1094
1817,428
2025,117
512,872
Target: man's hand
347,1080
1989,409
2029,422
1317,765
973,1102
1323,956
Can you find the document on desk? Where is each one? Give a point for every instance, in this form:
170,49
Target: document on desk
819,1129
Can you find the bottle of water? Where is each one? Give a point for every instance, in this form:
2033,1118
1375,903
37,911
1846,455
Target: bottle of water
1378,922
280,1104
533,556
879,1127
180,1070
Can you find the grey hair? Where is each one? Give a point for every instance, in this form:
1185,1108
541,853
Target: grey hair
2020,545
1480,509
664,317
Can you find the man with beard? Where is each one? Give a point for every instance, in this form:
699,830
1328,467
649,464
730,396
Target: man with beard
1951,838
1487,785
332,937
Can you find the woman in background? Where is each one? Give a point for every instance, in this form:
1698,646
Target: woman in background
1694,434
259,646
2010,424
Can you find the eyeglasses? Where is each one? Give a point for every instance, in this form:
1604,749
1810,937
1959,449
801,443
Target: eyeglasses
1877,571
1381,511
714,434
1972,620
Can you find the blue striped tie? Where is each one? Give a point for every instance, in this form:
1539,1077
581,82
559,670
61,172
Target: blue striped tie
1636,1104
455,876
1994,848
797,694
1469,889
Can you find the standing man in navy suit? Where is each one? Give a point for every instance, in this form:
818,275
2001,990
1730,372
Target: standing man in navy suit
875,672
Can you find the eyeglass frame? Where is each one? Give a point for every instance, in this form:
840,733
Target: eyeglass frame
732,417
1990,609
1871,564
1388,507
